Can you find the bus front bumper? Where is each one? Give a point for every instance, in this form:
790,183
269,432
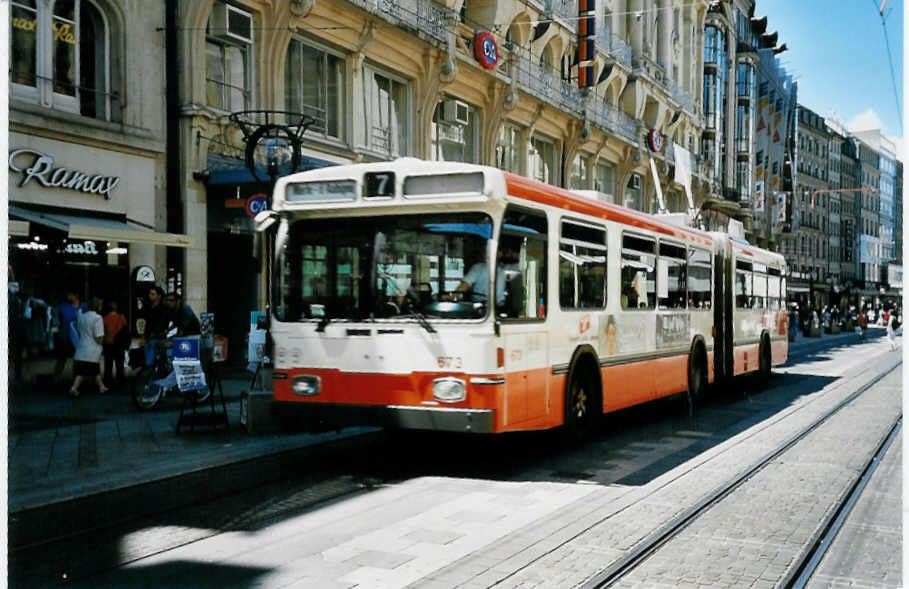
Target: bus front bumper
446,419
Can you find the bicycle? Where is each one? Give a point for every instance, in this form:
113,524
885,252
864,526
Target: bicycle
153,383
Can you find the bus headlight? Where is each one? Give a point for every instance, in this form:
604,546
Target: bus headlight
449,390
307,385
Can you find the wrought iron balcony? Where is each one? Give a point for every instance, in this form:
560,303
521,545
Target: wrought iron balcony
566,10
614,46
613,120
543,83
424,16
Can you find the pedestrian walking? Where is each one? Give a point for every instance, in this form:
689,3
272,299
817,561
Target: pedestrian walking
67,336
863,323
116,340
87,359
891,336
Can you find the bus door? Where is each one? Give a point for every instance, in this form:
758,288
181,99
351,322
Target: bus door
520,308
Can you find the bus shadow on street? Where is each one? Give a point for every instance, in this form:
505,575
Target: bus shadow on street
631,446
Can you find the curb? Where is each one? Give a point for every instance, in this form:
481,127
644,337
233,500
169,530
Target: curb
53,521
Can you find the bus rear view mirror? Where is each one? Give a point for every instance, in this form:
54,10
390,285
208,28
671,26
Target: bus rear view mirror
262,221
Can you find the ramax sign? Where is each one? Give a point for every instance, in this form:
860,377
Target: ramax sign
43,171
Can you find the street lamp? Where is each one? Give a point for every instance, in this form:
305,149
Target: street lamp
273,140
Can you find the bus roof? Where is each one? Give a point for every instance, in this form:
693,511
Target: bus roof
554,196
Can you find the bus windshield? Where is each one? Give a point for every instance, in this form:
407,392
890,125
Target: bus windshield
382,267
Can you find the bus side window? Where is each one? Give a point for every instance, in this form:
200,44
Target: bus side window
699,279
743,292
582,266
638,273
671,276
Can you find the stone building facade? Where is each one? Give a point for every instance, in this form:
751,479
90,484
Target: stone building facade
87,153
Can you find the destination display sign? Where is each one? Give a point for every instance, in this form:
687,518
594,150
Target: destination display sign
324,191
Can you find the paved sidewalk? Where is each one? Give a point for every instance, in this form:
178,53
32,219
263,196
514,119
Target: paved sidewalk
101,458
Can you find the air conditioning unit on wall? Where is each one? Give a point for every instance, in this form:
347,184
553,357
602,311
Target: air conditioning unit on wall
455,112
230,23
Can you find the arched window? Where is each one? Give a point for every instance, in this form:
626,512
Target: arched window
60,56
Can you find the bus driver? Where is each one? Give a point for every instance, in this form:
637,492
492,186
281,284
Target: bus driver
476,281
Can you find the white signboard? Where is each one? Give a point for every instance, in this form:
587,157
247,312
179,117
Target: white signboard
190,376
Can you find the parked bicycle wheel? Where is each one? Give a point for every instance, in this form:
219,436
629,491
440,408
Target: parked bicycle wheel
146,393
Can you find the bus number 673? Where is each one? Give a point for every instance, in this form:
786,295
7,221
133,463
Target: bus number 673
449,362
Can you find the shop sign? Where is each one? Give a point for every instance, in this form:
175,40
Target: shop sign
255,204
486,50
42,170
84,248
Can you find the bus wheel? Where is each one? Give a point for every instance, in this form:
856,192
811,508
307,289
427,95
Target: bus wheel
697,377
765,361
580,407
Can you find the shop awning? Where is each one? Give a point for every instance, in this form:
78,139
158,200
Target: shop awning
18,228
79,227
227,170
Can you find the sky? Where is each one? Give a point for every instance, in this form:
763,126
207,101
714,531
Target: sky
838,54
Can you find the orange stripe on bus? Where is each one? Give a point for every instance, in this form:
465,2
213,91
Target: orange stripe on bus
536,191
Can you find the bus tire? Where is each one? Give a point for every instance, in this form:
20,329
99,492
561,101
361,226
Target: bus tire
697,375
764,360
582,407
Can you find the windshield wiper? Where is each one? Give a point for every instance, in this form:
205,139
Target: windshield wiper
323,322
422,320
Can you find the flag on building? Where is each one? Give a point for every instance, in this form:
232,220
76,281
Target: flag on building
759,197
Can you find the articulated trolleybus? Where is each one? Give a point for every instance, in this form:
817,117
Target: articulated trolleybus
457,297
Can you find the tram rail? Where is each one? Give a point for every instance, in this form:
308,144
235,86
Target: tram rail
619,569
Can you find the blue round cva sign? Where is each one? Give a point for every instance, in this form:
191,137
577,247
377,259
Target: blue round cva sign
255,204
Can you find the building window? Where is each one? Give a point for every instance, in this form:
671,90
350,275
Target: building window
542,160
59,56
454,132
508,149
228,51
605,180
314,86
580,172
633,198
387,113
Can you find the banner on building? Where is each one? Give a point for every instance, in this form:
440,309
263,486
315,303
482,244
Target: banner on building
779,212
683,171
656,183
759,196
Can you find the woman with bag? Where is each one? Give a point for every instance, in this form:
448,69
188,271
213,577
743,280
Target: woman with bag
87,360
116,340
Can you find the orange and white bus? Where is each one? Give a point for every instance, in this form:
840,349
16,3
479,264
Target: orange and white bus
384,310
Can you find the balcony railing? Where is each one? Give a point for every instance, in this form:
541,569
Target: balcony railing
680,96
425,16
614,46
545,84
567,10
613,120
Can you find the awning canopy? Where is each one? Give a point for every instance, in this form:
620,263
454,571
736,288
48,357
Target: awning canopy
228,170
18,228
80,227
